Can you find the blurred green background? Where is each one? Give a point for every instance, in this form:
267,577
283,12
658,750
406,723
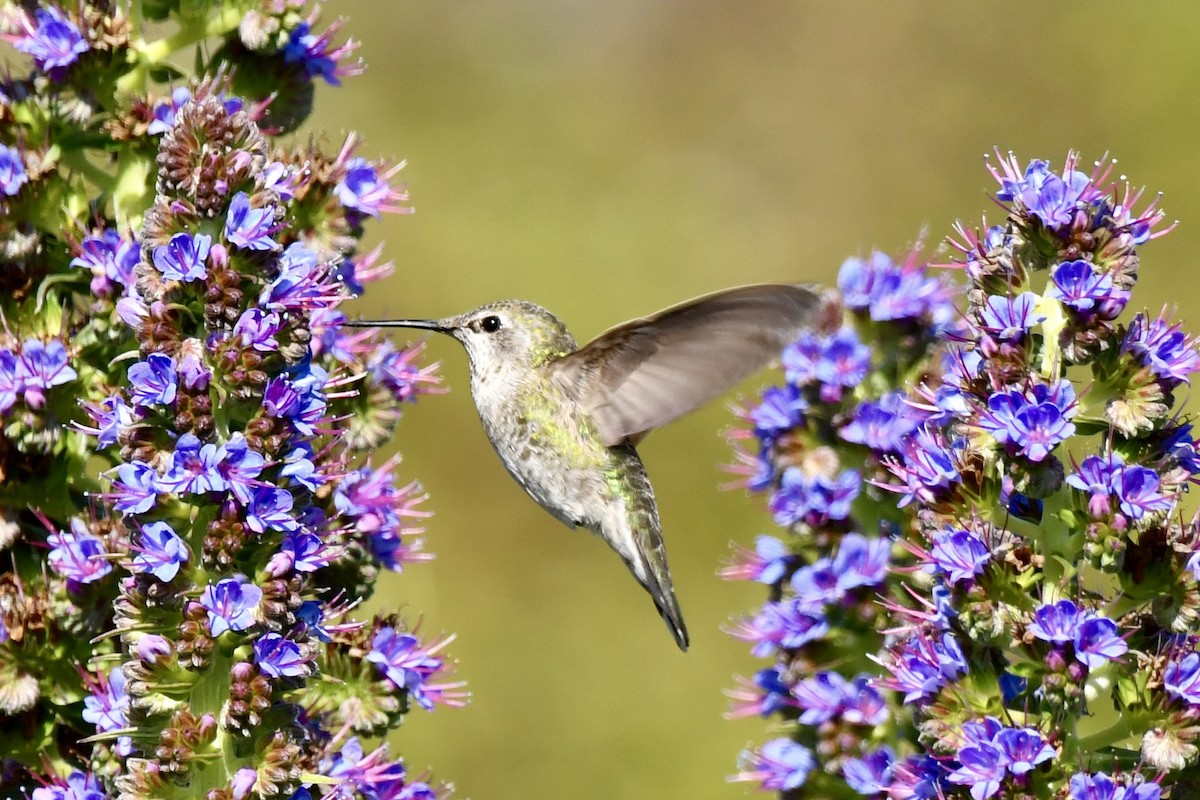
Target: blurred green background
608,159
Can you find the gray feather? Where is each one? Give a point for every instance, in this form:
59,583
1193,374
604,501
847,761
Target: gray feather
644,373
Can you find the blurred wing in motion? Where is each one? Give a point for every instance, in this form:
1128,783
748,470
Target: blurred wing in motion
644,373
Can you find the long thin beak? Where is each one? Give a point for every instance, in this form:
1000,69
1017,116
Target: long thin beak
425,324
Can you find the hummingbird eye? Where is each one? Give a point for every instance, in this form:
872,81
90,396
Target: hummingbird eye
490,324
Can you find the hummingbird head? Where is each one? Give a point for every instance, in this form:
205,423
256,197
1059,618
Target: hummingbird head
502,333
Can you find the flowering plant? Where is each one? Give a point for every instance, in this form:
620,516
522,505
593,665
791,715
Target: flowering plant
186,520
986,587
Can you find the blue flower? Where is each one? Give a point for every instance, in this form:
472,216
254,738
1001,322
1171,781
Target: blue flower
12,170
55,43
926,464
1182,678
362,189
1137,491
1101,787
871,774
306,551
817,584
1023,749
1031,423
402,659
299,284
279,657
231,604
1047,196
959,554
160,551
774,559
800,359
1056,623
42,366
820,697
787,624
781,765
1098,640
890,291
814,500
922,666
1077,285
271,507
108,705
1164,348
78,786
110,257
184,257
861,561
305,48
194,468
136,488
250,228
239,466
257,329
782,408
153,382
1009,318
78,555
881,425
982,769
844,362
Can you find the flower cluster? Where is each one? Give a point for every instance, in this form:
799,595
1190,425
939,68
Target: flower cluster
1011,470
187,518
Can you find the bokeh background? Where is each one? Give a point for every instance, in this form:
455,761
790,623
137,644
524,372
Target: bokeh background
608,159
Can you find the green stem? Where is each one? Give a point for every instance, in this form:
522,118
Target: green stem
226,19
1127,725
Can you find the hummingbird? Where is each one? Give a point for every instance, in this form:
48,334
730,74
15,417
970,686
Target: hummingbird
565,420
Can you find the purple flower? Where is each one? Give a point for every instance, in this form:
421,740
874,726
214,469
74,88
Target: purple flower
844,362
78,555
299,283
781,765
1094,477
1056,623
12,171
111,415
78,786
1009,318
110,257
959,554
306,551
1182,678
787,624
55,43
800,359
1098,640
926,464
363,190
863,704
1045,195
861,561
194,468
403,660
250,228
279,657
231,604
257,329
882,426
40,367
1165,349
922,666
165,111
917,777
772,560
820,697
817,584
871,774
782,408
135,489
1031,423
271,507
890,291
1137,491
239,466
982,769
1023,749
299,468
10,383
160,551
312,52
1076,284
1101,787
816,499
108,708
183,258
153,381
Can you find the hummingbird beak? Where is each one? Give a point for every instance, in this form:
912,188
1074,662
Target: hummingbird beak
424,324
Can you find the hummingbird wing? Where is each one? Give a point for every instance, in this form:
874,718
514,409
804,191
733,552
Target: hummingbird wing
646,372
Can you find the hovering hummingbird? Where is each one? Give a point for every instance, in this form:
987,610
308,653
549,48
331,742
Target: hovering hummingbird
565,419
